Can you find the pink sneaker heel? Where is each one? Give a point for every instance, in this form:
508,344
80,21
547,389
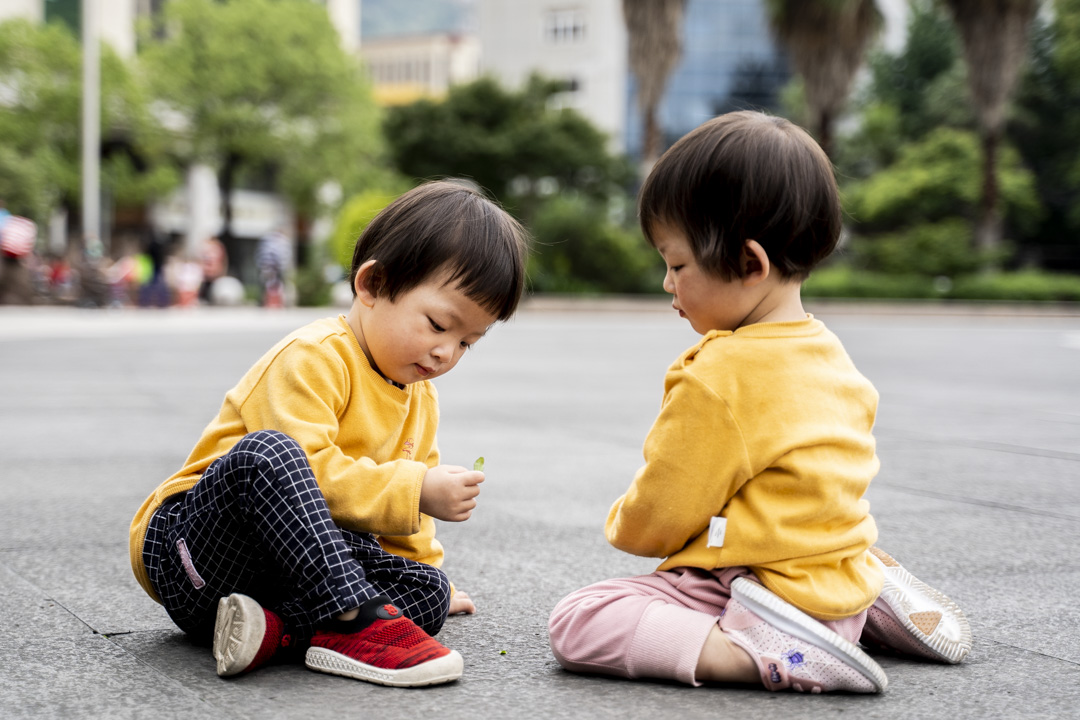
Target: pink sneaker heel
913,618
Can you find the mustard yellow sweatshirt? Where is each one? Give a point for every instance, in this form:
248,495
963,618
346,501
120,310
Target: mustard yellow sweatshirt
369,442
768,427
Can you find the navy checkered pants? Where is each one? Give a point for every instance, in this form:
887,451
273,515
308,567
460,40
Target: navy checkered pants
256,523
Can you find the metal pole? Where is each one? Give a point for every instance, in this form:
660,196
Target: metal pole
91,125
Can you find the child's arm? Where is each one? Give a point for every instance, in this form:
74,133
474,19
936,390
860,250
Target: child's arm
695,461
301,394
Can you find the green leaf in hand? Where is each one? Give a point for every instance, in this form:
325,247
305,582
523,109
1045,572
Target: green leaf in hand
479,464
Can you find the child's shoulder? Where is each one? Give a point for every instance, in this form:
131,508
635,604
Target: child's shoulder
725,358
320,341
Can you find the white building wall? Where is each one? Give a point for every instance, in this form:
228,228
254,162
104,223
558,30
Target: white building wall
116,23
26,9
345,14
519,37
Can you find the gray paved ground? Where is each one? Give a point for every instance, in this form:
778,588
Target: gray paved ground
979,494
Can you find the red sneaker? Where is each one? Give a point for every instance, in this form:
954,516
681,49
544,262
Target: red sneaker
246,635
383,646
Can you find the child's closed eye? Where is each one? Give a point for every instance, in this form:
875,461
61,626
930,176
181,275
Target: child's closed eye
436,326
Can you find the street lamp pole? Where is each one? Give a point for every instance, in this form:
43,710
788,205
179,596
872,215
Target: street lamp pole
91,125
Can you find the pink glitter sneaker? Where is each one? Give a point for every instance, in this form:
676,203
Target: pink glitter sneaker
913,618
793,650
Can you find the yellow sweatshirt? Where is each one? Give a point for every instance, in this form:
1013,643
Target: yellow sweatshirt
369,442
770,428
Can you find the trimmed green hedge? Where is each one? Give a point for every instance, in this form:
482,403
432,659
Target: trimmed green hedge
1027,285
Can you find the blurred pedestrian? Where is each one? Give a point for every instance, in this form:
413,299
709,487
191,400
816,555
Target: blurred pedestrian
17,238
155,291
215,263
273,258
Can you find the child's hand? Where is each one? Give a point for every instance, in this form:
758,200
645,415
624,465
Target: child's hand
461,603
449,492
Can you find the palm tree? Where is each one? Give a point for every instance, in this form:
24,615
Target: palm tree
994,34
654,29
827,41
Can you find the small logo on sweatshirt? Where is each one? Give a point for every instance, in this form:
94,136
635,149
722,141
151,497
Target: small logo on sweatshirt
407,449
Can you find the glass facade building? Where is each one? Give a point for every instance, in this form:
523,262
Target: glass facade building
730,61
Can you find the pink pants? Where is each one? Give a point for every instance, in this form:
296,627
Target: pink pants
652,625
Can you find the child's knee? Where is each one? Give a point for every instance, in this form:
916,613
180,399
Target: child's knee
267,442
567,623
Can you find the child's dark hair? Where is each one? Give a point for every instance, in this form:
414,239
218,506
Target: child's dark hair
746,176
445,227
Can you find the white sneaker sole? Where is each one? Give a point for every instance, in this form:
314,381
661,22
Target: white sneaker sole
433,672
238,633
789,619
927,614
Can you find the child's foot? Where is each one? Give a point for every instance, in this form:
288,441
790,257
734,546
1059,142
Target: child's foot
383,646
793,650
246,635
915,619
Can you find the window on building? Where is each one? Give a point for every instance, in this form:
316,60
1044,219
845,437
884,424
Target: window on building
568,97
565,27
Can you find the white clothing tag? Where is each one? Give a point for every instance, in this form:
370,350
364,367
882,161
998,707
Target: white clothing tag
717,528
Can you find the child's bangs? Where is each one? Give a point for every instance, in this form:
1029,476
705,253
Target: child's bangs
487,262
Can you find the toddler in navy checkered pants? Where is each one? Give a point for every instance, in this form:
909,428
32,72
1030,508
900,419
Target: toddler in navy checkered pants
304,516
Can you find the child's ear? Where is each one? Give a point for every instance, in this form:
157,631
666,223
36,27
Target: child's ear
755,263
367,282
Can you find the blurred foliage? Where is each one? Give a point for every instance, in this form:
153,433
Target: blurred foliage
514,144
912,169
266,82
577,248
40,121
354,216
549,166
1044,127
936,178
933,248
312,286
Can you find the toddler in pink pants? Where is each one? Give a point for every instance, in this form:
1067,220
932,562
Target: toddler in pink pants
756,467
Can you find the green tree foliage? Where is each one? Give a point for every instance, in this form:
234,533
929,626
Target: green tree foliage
40,111
994,36
827,41
265,83
915,216
1044,127
577,249
511,143
353,217
909,94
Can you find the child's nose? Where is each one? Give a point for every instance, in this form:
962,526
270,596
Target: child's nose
442,352
669,284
